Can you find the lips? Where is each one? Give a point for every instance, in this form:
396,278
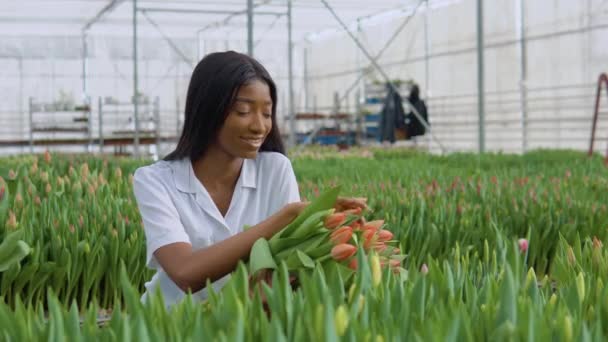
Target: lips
253,141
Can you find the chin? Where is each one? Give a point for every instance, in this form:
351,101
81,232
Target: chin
249,154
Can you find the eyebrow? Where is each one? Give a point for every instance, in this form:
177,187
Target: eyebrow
244,99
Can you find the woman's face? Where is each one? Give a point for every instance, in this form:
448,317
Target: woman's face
249,121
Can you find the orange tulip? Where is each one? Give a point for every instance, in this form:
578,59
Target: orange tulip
341,235
369,237
385,235
343,251
334,220
380,247
373,224
356,211
353,265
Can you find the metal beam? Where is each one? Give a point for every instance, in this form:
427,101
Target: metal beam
292,112
250,28
382,50
135,83
109,7
201,11
168,40
480,77
384,75
232,15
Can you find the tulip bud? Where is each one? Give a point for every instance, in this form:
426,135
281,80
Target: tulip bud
341,320
523,245
384,235
37,200
374,263
597,244
375,225
580,287
44,176
424,269
353,265
47,157
341,235
369,237
355,211
84,170
19,200
11,174
11,223
48,188
118,172
334,220
343,251
567,328
380,247
2,191
571,257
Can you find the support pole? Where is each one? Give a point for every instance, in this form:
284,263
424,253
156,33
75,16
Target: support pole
135,83
250,27
523,73
427,85
100,113
292,114
84,66
480,76
306,81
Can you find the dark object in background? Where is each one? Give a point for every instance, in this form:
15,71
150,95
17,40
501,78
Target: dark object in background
392,117
413,126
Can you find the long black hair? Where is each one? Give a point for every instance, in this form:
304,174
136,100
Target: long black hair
212,91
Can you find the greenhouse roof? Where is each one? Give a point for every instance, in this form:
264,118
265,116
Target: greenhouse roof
212,19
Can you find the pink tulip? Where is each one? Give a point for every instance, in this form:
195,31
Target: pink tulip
385,235
375,225
379,247
523,245
341,235
334,220
343,251
424,269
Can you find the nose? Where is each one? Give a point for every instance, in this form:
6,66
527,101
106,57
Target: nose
256,125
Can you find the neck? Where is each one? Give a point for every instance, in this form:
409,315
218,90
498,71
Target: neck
217,169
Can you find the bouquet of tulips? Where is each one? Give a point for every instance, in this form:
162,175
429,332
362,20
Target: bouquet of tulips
322,236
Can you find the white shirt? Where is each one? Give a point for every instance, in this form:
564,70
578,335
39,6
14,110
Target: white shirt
176,207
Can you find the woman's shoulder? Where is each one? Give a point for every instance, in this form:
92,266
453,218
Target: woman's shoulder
272,160
158,170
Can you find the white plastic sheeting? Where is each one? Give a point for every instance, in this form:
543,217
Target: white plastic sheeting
41,56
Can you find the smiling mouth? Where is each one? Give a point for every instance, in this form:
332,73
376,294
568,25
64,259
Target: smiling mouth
253,141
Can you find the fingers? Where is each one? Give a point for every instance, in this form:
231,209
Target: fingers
352,203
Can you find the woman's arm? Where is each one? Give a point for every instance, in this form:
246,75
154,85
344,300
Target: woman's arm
190,269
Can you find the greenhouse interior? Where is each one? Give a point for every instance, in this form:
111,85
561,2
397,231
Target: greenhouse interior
401,170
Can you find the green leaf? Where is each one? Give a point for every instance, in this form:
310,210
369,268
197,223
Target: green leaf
325,201
260,257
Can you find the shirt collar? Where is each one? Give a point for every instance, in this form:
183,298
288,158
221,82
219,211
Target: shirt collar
185,179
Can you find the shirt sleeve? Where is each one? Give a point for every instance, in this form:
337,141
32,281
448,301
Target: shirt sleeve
162,225
288,190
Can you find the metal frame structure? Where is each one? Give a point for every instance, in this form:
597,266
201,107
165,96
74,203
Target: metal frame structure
250,48
521,39
603,79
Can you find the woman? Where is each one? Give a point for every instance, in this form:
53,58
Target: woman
227,171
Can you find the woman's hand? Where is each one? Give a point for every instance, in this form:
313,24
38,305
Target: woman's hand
292,210
351,203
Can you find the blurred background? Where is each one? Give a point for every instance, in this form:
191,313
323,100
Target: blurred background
110,76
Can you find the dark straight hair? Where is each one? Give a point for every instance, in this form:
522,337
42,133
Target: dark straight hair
213,87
